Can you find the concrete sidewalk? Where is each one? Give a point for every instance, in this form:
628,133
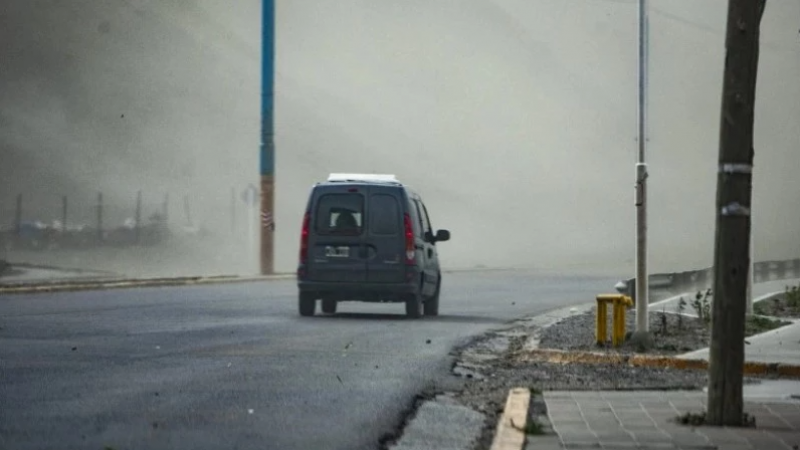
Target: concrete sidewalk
646,419
27,274
777,346
760,291
781,345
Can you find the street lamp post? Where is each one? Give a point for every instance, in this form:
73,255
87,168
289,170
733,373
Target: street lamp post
642,334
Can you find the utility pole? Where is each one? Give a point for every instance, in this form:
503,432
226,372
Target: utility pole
267,153
642,334
734,188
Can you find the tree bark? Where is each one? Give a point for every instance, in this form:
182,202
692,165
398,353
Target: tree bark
734,192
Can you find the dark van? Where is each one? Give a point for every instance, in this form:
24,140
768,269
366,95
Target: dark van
368,238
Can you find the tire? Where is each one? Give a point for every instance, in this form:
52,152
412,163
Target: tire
329,306
414,306
431,305
307,304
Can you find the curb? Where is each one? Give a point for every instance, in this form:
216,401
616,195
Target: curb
58,268
675,298
84,285
658,361
510,431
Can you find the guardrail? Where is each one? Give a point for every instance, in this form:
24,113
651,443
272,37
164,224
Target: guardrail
666,284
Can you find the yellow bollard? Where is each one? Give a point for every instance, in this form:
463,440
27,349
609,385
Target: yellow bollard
620,304
600,330
619,324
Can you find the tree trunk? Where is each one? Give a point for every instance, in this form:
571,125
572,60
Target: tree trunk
734,188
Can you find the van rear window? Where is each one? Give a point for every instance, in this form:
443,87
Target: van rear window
384,215
340,214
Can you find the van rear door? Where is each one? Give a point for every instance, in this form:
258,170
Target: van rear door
385,242
337,234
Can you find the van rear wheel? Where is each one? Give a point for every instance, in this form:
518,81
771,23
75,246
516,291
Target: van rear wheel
307,304
329,306
414,306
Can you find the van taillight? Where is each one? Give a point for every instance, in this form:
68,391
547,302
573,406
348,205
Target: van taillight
304,240
410,247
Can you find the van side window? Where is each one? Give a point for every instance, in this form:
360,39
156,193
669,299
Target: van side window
427,218
423,218
384,215
340,214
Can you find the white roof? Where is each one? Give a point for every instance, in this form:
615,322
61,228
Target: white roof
363,177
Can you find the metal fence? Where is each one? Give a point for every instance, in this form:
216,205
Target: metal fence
86,225
666,284
30,221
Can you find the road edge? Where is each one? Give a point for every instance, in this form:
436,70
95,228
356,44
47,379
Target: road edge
92,285
510,431
657,361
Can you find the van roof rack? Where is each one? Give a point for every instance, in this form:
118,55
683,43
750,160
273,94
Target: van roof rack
363,177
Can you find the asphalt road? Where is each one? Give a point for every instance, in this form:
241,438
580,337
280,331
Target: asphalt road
234,366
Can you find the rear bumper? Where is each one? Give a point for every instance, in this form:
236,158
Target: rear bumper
365,292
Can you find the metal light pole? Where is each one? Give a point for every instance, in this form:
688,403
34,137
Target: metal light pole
642,334
267,151
750,273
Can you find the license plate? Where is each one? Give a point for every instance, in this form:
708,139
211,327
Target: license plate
337,252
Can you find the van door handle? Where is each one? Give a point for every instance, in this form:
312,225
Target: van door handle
430,253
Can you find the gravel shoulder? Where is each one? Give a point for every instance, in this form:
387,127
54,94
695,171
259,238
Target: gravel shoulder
490,365
491,368
673,333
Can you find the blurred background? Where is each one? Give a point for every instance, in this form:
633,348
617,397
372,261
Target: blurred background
514,119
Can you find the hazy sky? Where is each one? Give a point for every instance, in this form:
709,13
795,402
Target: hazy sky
515,119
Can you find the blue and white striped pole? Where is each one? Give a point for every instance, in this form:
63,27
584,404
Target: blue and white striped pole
267,151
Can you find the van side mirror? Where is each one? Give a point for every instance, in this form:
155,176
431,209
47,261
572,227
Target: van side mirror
442,235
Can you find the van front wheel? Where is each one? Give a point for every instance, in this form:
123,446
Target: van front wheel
306,304
414,306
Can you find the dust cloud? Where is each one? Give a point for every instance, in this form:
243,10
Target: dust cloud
515,120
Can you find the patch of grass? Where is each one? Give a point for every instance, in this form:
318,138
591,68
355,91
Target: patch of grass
702,305
532,427
793,296
762,307
693,419
681,309
699,419
787,305
758,324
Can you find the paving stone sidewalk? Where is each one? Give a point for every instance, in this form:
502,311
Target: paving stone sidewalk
645,420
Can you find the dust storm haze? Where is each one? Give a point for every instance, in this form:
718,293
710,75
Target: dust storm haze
515,119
